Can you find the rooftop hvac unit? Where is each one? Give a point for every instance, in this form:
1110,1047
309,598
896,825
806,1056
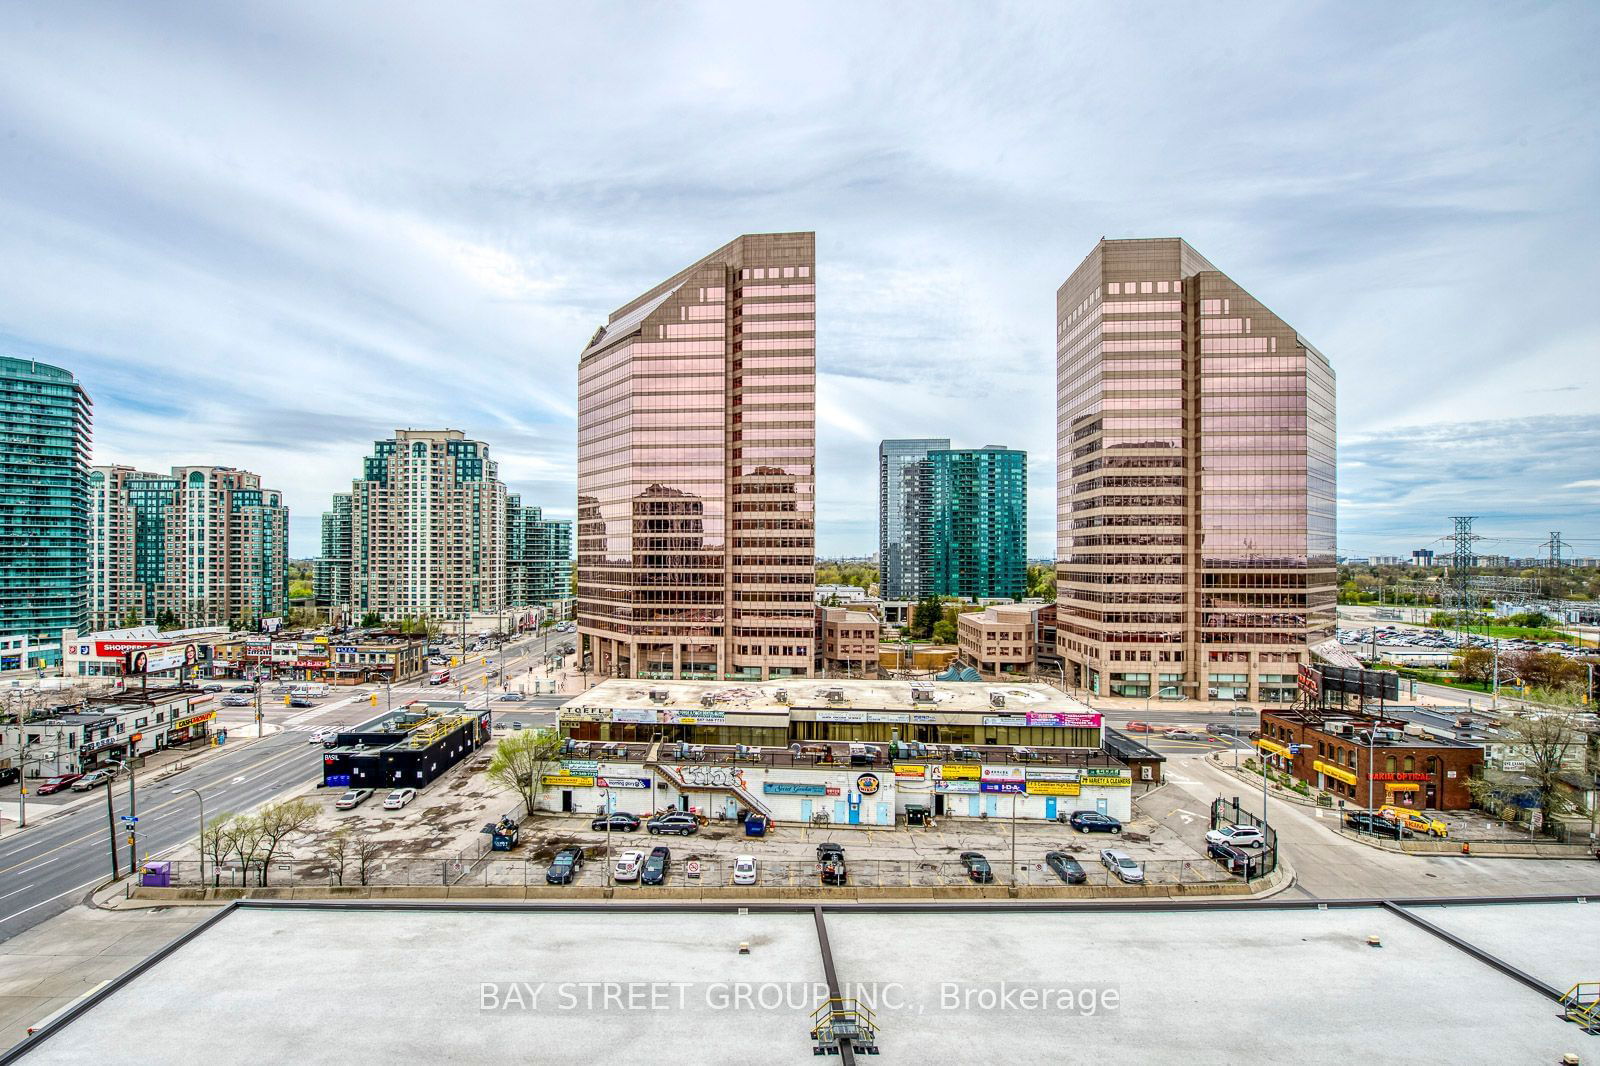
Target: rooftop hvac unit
782,695
997,699
921,695
707,699
834,695
658,695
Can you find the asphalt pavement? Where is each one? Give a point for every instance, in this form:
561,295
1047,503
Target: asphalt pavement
62,854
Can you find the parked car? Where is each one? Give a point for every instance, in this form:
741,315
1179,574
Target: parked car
399,798
211,686
1241,710
1122,864
827,851
1235,860
93,779
1415,821
680,823
627,867
232,700
1094,822
619,821
1066,867
246,687
832,870
510,697
977,867
1184,734
744,870
564,867
1367,822
656,866
50,786
353,798
278,690
1239,836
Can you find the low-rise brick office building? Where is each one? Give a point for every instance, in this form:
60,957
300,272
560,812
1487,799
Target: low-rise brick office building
1368,760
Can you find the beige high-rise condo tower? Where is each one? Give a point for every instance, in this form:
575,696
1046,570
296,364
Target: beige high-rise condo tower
696,471
1195,482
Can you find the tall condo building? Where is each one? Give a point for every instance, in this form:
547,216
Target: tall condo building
202,545
696,470
538,558
330,573
44,511
979,513
905,517
1195,481
427,529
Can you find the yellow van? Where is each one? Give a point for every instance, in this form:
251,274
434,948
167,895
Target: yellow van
1415,821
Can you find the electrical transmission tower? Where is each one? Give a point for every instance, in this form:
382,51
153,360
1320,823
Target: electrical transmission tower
1462,594
1555,544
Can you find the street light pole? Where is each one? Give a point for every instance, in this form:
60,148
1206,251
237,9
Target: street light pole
202,799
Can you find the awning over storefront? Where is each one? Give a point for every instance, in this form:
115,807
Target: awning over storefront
1338,773
1273,747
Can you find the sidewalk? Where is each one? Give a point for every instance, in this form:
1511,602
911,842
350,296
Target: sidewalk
156,767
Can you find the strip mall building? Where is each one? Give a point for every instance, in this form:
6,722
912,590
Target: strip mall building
783,749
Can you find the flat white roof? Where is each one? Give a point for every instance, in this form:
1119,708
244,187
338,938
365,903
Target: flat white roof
1209,984
811,692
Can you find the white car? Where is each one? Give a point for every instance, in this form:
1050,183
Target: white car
321,736
1240,836
353,798
1122,864
399,798
627,866
744,870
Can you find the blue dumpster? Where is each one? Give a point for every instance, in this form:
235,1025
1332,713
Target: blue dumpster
156,875
755,825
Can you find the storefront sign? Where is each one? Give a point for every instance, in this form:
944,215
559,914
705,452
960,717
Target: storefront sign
1011,720
924,719
567,781
690,717
111,649
1394,776
1001,773
1338,773
841,716
956,771
1051,775
1404,786
1104,779
592,714
183,723
580,767
789,788
1012,787
1065,720
913,771
962,788
345,649
310,664
867,784
634,715
887,716
1053,788
623,782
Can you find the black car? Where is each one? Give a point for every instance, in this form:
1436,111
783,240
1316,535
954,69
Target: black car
1366,822
681,824
977,867
1094,822
829,851
619,822
564,867
1236,860
300,701
1066,867
242,688
655,867
832,870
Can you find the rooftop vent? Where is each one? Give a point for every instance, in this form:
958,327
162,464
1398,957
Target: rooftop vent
833,695
658,695
997,699
920,694
782,695
707,699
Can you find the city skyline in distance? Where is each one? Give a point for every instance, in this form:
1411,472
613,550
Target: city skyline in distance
282,278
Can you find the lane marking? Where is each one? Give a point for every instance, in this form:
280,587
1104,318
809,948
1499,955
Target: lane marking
52,899
8,895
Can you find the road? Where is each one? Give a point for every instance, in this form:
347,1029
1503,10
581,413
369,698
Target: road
47,867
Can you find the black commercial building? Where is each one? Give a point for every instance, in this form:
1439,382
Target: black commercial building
406,748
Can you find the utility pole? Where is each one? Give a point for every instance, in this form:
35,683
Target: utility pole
111,826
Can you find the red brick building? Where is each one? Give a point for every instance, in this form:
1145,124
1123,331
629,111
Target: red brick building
1368,761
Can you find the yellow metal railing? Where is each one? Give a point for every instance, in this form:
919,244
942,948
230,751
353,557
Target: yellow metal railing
1581,1004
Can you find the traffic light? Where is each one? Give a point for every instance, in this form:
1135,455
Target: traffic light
373,699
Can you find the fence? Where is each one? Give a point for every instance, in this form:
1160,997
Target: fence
1228,812
506,870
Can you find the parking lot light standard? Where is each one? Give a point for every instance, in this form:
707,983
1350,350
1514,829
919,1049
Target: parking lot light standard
202,799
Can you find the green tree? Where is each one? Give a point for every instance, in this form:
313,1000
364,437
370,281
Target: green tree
371,620
522,760
924,616
944,631
167,620
130,618
1475,664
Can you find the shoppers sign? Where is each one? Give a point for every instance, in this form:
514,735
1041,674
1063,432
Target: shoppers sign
789,788
111,649
1054,788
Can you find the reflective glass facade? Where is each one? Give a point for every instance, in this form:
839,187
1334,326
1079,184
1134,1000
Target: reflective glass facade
696,471
45,427
905,516
1195,481
979,509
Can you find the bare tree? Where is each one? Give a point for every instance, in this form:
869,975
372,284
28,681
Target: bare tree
245,837
216,843
339,849
278,823
366,853
1542,745
521,762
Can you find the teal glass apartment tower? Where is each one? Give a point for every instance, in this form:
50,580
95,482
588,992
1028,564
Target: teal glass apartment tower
538,558
330,574
45,420
905,527
979,509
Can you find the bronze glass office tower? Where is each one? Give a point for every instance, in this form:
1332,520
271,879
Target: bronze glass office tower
696,471
1195,481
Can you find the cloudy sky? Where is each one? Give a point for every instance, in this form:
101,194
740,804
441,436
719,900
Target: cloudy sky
265,235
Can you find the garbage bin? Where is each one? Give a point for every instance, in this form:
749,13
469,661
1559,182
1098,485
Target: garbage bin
156,875
916,815
755,826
